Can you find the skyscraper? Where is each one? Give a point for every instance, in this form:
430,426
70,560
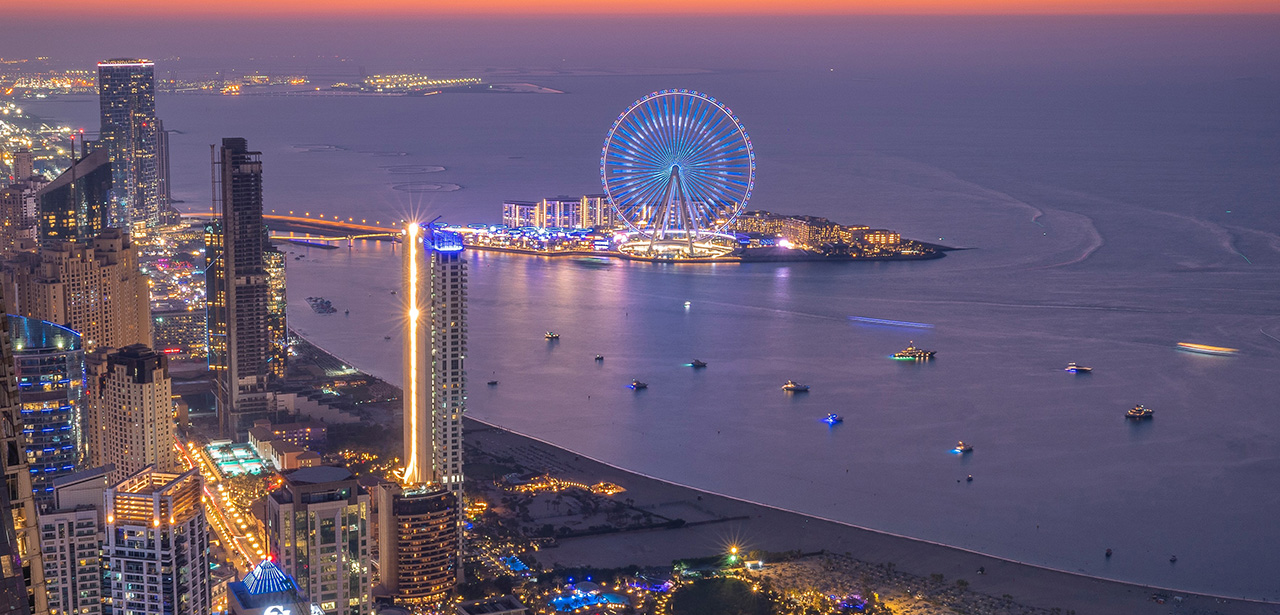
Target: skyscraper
156,555
435,376
238,290
419,527
19,555
95,289
130,419
127,101
164,189
49,362
71,536
277,321
74,206
317,524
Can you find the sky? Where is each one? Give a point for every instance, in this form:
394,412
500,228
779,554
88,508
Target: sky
365,8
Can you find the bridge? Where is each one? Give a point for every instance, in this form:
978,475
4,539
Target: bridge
326,228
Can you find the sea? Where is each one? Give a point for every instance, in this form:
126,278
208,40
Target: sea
1112,201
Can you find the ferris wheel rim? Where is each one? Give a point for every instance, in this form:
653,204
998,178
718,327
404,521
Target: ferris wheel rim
721,176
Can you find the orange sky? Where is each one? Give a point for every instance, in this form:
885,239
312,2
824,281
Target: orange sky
374,8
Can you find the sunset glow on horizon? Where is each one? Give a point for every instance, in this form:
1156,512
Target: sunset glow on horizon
376,8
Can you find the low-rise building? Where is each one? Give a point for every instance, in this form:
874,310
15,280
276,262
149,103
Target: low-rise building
266,590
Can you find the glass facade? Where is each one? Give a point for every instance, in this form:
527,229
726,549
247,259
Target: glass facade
74,207
130,135
49,361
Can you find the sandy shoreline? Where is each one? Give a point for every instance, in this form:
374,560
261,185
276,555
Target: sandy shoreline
759,526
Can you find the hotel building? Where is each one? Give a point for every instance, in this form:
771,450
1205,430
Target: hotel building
156,553
95,289
130,419
591,211
419,523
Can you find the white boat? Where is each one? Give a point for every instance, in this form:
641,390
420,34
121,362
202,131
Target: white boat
792,386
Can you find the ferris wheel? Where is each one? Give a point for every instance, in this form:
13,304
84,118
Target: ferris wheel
677,165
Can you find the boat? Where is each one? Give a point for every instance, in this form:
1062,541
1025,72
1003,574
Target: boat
1140,412
792,386
599,357
961,447
1206,349
552,335
1078,369
911,353
386,337
493,383
636,385
1173,559
687,304
698,364
969,480
832,419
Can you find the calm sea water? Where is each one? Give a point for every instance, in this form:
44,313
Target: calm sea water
1112,213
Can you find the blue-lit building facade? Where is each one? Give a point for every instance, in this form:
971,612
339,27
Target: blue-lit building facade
50,369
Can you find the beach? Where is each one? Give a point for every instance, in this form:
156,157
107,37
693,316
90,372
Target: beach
901,564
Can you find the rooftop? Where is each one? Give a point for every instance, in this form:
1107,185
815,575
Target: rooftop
317,474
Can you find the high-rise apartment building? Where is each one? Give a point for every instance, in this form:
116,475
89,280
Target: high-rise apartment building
21,568
74,207
24,165
95,289
50,370
156,553
13,223
164,190
420,527
238,290
435,352
19,546
72,531
129,133
130,420
18,204
317,524
277,320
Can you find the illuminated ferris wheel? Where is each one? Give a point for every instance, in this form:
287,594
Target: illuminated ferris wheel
677,167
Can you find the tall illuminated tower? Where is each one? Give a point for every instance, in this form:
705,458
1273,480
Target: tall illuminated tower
130,133
435,374
420,527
